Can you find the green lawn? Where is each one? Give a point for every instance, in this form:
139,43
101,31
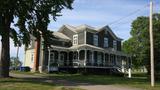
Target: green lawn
21,84
138,80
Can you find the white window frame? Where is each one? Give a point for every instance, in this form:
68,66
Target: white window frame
95,40
106,42
115,44
75,39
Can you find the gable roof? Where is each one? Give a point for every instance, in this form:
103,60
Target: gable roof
61,36
110,31
68,27
88,28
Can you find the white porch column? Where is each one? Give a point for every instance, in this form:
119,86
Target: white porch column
104,60
122,64
129,69
85,58
92,58
85,37
49,60
129,72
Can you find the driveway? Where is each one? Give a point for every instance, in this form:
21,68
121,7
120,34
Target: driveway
71,84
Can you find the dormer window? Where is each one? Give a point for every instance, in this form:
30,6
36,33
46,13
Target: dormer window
115,44
105,42
75,39
95,40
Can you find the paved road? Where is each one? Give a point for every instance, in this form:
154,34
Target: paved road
71,84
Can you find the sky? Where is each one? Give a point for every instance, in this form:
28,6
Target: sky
117,14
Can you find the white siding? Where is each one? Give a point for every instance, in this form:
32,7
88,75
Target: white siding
29,58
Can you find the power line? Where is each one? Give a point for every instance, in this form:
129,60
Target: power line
130,14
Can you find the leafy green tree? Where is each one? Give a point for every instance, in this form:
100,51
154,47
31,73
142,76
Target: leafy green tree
138,45
33,18
15,62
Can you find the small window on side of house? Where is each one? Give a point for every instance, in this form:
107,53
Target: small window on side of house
75,39
95,40
115,44
32,57
105,42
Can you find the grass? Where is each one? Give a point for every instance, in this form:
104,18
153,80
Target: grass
29,84
139,80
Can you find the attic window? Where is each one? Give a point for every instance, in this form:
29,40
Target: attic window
75,39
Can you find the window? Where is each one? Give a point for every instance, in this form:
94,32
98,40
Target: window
95,40
115,45
75,39
105,42
32,57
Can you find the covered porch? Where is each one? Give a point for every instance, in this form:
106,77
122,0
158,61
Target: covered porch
87,56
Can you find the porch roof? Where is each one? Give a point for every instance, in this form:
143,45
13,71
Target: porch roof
86,46
89,47
58,48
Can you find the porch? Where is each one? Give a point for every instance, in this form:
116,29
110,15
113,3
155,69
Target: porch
87,56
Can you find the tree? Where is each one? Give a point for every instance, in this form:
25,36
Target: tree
15,62
138,45
33,18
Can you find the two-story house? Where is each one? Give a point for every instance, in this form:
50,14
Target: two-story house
78,48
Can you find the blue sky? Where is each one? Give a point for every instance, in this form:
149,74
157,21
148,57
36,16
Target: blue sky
98,13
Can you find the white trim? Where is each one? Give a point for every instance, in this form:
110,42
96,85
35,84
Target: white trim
85,37
129,73
71,28
85,58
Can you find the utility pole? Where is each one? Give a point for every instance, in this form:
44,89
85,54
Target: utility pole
151,44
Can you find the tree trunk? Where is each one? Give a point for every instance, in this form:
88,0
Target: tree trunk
5,51
5,55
